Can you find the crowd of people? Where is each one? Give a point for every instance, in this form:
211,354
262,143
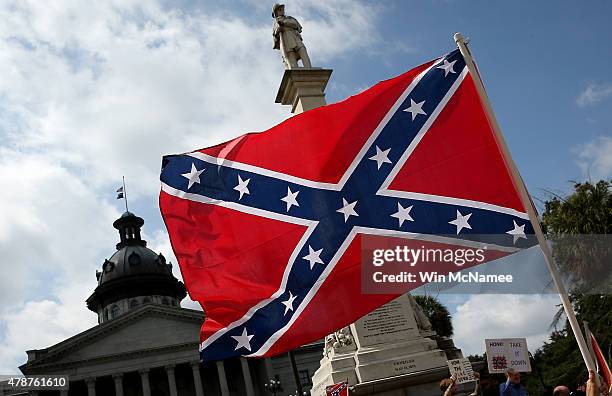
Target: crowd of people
514,387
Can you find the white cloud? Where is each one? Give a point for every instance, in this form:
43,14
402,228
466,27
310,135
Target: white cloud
503,316
595,158
93,91
593,94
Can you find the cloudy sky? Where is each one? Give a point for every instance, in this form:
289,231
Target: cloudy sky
91,91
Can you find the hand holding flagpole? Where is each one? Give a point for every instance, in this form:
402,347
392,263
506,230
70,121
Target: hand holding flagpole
526,200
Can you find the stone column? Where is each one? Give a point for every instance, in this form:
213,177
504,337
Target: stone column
171,380
246,374
197,380
222,378
144,378
91,386
63,392
303,88
118,379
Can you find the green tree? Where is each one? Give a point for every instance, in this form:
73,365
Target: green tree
588,210
438,315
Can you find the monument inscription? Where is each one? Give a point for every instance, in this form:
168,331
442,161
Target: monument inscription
393,322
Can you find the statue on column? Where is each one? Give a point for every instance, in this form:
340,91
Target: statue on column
287,38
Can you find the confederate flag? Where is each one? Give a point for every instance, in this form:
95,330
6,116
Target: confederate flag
267,227
340,389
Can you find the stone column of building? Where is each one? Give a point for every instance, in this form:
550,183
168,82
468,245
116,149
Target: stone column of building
144,378
222,379
171,380
246,374
91,386
197,380
118,379
269,370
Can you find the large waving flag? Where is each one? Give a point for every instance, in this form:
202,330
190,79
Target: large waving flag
267,227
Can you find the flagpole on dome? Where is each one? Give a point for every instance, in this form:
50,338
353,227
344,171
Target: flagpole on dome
122,193
526,201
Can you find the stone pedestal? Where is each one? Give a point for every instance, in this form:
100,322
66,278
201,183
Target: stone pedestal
303,88
389,355
337,365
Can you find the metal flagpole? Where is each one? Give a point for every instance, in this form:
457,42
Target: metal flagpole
125,195
525,199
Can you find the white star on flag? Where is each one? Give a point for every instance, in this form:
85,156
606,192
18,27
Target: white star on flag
289,303
244,340
402,214
348,209
461,222
415,108
313,257
447,67
242,187
291,199
381,157
517,232
193,176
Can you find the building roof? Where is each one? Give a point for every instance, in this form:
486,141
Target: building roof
133,270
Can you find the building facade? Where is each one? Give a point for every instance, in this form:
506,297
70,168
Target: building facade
146,344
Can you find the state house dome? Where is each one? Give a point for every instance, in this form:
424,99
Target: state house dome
134,275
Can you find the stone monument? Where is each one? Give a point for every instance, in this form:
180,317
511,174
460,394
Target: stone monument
301,87
391,351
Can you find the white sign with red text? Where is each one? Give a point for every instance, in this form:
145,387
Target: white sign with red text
507,353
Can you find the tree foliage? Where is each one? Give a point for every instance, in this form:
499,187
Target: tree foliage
588,210
438,315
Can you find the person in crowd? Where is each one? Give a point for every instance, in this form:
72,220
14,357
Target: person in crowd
561,390
449,387
512,386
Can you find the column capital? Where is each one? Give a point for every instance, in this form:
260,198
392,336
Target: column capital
90,381
169,367
195,363
117,376
144,371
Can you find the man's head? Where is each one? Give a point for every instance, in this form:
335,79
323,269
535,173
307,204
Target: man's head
514,376
561,390
278,10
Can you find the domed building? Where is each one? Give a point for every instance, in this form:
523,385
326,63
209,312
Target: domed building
133,276
146,344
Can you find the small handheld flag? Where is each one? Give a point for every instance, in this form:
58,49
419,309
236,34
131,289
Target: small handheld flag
600,360
340,389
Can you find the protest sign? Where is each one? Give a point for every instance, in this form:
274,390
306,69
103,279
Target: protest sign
461,369
506,353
